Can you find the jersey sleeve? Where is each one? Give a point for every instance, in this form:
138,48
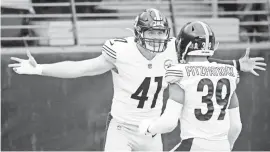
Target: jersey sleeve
174,74
109,51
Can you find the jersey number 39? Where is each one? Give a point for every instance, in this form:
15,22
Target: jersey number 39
143,89
208,98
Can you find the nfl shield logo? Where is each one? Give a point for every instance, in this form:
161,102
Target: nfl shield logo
149,66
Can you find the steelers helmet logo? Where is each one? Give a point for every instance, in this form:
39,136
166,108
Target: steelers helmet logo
167,64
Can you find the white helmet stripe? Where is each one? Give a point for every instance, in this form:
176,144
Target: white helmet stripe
206,31
157,14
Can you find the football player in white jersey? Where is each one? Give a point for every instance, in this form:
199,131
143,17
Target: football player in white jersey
137,65
202,95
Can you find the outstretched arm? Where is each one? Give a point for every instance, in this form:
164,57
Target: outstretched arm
74,69
229,62
245,64
65,69
168,120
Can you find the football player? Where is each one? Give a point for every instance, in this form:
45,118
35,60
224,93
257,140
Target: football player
138,68
201,94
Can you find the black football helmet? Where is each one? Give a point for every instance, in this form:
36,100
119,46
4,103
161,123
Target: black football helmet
151,19
195,38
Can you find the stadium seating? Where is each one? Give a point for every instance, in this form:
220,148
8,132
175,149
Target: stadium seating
54,29
95,32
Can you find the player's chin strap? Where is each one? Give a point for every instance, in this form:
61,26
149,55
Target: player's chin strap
129,29
184,53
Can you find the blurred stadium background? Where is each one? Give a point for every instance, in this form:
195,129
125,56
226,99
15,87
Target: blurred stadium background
43,113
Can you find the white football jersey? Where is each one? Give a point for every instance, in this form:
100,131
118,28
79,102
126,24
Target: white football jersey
138,83
208,90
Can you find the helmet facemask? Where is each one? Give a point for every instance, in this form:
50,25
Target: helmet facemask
155,45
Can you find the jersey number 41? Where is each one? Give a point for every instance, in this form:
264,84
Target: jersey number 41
143,89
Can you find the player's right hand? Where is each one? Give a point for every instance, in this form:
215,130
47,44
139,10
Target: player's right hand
28,66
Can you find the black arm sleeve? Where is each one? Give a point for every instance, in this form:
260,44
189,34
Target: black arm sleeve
230,62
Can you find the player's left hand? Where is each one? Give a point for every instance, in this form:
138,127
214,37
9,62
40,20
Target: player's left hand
144,125
248,64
